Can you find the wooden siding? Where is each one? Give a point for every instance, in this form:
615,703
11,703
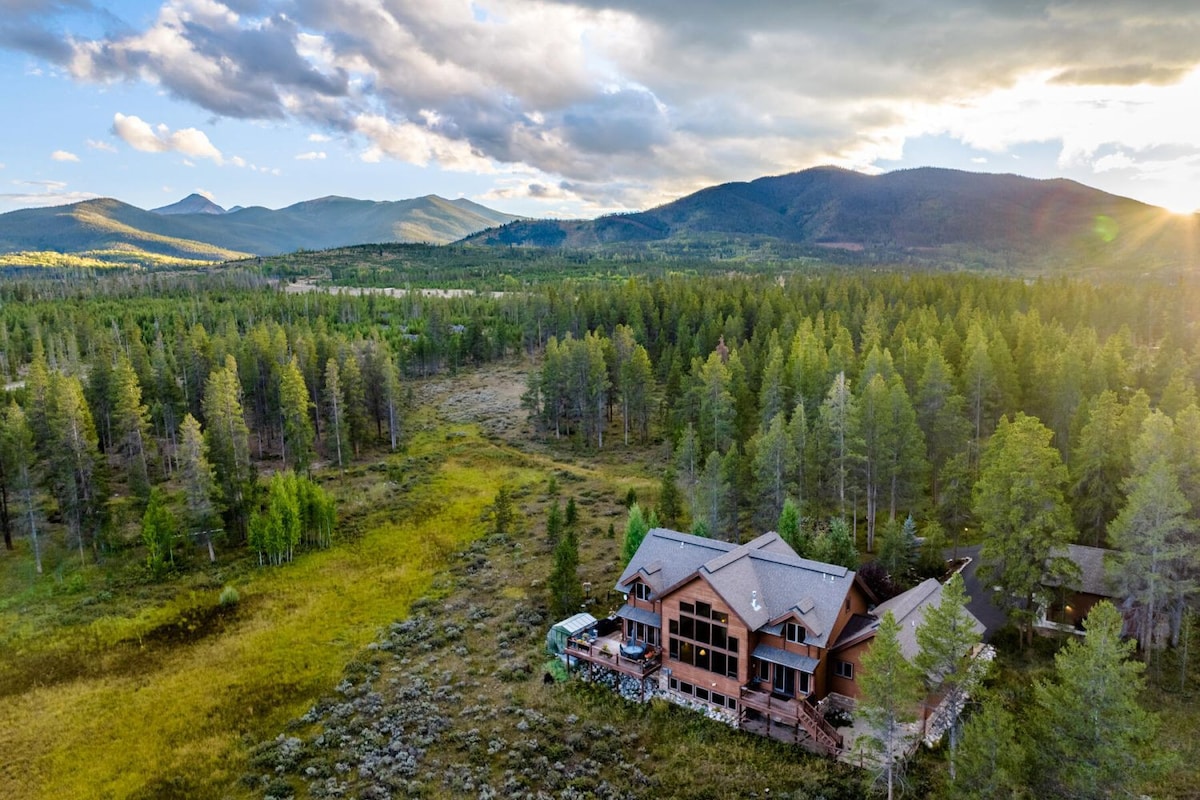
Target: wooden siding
695,590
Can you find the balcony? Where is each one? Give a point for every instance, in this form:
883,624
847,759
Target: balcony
612,652
788,718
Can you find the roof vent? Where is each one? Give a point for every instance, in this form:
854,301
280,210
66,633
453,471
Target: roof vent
754,601
806,605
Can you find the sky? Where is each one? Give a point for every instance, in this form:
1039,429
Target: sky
556,108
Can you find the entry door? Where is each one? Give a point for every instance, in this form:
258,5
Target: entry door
785,680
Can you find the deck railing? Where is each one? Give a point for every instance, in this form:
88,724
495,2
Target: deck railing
607,653
794,711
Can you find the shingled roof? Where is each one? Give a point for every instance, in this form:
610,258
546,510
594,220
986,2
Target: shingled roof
908,609
1093,577
764,582
666,557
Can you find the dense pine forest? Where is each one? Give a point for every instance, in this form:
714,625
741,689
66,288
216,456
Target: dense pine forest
165,423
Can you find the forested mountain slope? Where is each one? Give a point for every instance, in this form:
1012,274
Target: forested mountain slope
193,230
927,213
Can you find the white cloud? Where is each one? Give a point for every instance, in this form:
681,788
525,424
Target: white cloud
632,101
63,155
96,144
41,193
1113,161
314,155
205,193
139,135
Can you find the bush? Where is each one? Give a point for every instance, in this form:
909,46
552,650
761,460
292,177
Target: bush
229,596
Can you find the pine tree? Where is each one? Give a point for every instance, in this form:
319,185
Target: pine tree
228,441
503,515
198,484
891,689
838,432
158,533
990,762
636,529
669,507
1093,738
1019,503
947,636
898,553
356,417
566,591
18,464
335,411
1155,533
554,522
74,464
773,463
790,528
131,426
836,545
297,424
1099,463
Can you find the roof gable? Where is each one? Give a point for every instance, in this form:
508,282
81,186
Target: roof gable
908,608
762,581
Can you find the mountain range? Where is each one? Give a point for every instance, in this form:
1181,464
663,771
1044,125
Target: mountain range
928,215
197,229
932,214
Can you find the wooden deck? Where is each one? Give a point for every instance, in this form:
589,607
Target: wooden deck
606,652
792,719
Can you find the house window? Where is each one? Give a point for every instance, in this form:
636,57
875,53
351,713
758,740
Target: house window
795,633
843,669
641,591
700,637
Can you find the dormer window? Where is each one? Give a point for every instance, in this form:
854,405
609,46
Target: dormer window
794,633
641,591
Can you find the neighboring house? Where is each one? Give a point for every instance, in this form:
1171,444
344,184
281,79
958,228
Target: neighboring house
1067,601
751,634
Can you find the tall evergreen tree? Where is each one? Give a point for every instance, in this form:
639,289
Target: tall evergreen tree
158,534
1094,739
1098,465
891,689
335,409
131,426
297,424
566,591
18,465
199,485
669,508
773,463
947,636
228,441
991,761
636,528
838,431
1020,505
74,466
1155,534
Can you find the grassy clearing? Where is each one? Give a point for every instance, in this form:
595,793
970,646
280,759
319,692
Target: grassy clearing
174,690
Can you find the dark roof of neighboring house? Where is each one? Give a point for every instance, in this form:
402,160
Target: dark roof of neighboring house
764,582
908,609
1093,576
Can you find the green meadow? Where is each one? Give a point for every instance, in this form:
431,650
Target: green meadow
161,695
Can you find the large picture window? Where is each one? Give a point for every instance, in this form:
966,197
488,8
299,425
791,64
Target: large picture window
700,637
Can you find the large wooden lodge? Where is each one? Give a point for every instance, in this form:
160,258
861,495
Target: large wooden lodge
752,634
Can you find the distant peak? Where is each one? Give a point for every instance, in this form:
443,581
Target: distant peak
192,204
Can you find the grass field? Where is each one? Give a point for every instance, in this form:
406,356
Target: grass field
168,697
